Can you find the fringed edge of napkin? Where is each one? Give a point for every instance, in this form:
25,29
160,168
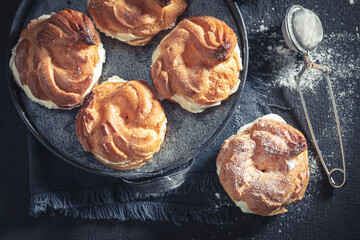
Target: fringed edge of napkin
123,202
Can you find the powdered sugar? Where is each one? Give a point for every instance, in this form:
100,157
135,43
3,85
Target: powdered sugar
283,51
342,76
285,64
263,28
315,168
218,195
279,65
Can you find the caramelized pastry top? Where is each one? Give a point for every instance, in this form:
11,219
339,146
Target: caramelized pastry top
265,167
199,60
122,123
56,58
134,21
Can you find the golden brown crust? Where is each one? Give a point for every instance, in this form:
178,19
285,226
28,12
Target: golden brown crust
122,124
56,57
266,167
198,61
141,18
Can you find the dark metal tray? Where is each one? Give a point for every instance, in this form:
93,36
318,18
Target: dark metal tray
187,134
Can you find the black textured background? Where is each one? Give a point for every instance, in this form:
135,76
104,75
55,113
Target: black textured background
335,215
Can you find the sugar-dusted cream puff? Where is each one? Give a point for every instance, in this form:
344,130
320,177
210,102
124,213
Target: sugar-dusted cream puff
264,167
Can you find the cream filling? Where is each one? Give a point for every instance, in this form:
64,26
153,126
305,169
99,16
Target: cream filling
106,161
268,116
156,53
15,71
291,164
116,79
163,129
45,16
186,103
190,105
47,103
124,37
97,69
243,206
218,169
237,50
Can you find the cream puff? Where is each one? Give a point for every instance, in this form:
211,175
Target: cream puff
197,64
264,167
58,59
122,123
134,22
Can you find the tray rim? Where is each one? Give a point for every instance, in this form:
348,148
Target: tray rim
16,28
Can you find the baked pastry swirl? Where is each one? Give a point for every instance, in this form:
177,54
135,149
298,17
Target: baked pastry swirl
58,59
264,167
135,22
197,64
122,123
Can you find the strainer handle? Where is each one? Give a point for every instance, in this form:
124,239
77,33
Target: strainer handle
325,70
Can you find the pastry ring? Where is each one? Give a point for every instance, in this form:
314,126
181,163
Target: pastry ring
122,123
58,59
135,22
197,64
264,167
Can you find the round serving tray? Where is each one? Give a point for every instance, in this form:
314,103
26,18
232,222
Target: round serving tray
187,134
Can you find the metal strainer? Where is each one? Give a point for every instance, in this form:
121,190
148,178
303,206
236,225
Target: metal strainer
303,32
